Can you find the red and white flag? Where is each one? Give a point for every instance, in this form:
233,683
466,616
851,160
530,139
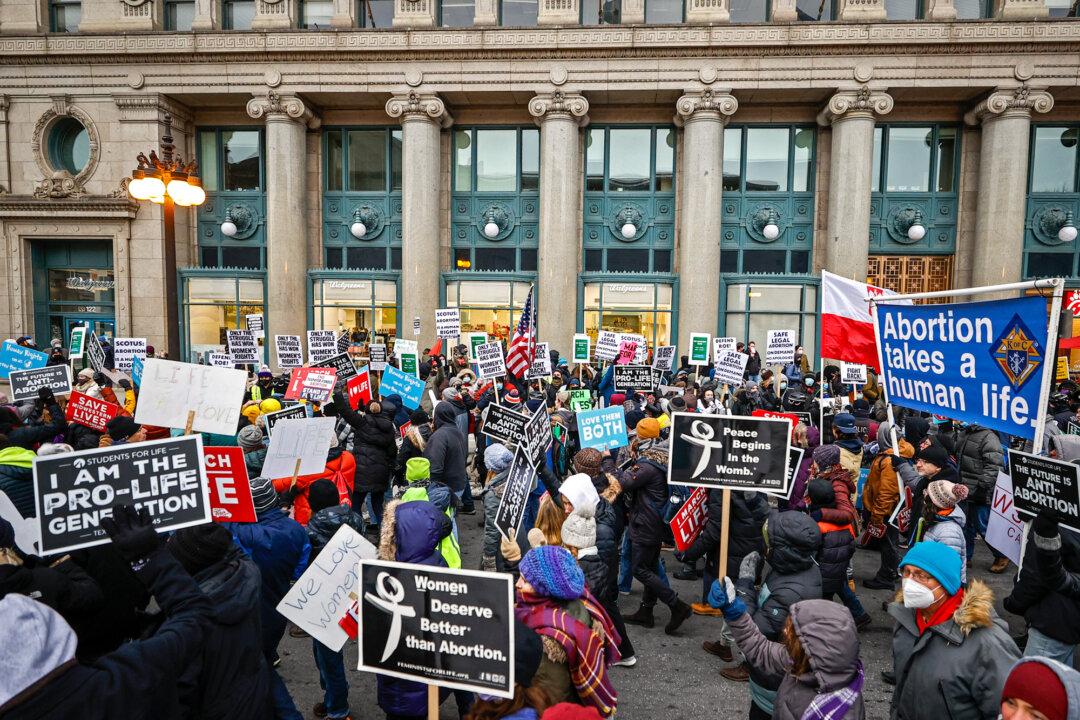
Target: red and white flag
847,327
519,355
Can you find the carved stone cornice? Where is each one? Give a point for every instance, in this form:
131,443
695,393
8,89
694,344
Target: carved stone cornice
862,102
716,105
152,108
1020,101
560,104
84,206
275,107
419,106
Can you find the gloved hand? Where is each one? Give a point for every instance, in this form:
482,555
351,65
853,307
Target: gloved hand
487,563
45,395
100,379
132,533
748,568
722,596
124,383
288,497
1046,524
510,550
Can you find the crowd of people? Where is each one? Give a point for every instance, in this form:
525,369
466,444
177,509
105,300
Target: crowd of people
185,626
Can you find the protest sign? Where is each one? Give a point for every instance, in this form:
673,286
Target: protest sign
74,491
779,347
729,367
342,341
91,412
627,378
395,382
603,429
795,456
641,346
137,367
690,518
490,361
474,340
1061,371
95,353
26,532
342,364
358,389
16,357
663,358
26,383
505,425
311,383
519,483
290,413
77,344
537,438
299,444
171,390
581,348
448,323
230,493
699,348
377,357
541,365
321,344
451,628
791,418
1005,528
852,373
627,352
607,345
580,400
289,352
243,348
126,349
256,325
1042,483
325,592
403,346
738,453
720,344
220,359
979,362
410,364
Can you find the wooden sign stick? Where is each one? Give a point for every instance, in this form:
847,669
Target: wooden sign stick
295,474
433,702
190,422
725,506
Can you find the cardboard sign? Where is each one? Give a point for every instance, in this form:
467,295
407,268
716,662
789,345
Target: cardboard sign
664,358
474,340
721,344
26,383
74,491
137,367
358,389
537,437
519,483
230,493
730,367
306,440
125,350
504,425
171,389
1061,372
627,352
580,400
852,373
780,347
220,359
321,344
342,364
91,412
395,382
16,357
1005,528
699,348
377,357
77,346
1043,483
312,383
581,348
490,360
448,323
607,345
738,453
95,354
452,628
541,365
603,429
243,347
289,352
627,378
296,412
690,519
256,325
1072,428
323,594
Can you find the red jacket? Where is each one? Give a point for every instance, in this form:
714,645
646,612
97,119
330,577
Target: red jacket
340,469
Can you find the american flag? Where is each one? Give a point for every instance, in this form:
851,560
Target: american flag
523,344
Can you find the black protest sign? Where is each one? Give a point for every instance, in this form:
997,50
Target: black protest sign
537,437
519,483
293,412
26,383
633,377
343,363
737,453
73,492
504,425
795,456
1040,483
451,628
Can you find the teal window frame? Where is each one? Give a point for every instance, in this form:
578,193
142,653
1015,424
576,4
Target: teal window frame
54,14
169,20
227,21
939,208
339,206
1044,254
211,214
807,311
61,137
601,278
315,277
235,274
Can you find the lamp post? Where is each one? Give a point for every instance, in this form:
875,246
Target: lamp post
168,181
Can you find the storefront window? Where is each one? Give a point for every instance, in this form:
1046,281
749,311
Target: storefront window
362,307
630,307
493,306
754,309
1053,163
73,285
213,305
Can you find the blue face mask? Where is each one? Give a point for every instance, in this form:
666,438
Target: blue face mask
809,382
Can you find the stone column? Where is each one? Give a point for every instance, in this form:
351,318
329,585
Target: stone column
559,114
422,116
1005,115
5,146
702,116
287,119
206,15
847,241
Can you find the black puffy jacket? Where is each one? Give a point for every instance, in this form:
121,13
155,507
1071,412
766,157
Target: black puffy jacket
408,451
30,436
837,549
979,453
645,484
446,449
374,443
17,482
608,539
598,577
749,510
1050,612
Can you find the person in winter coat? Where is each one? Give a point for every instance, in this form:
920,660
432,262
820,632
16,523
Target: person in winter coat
413,444
447,451
753,363
250,440
981,457
942,519
231,678
1050,556
30,436
375,446
17,476
530,700
340,470
951,652
817,656
1040,688
828,466
84,383
808,438
837,549
851,448
578,535
880,496
497,460
43,680
422,487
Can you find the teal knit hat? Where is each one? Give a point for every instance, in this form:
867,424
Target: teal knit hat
941,561
553,572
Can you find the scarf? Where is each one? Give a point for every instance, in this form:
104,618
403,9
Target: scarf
835,705
942,614
588,655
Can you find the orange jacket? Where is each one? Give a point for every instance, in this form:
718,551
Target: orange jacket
882,490
340,470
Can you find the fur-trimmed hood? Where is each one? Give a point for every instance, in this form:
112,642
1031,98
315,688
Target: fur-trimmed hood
976,609
411,532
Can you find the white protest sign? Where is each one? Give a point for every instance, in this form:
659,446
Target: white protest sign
290,354
377,357
541,366
219,359
321,345
729,366
320,598
641,346
303,439
852,373
448,323
780,347
26,529
490,360
125,350
243,347
607,345
720,344
170,390
1005,528
404,347
256,325
664,358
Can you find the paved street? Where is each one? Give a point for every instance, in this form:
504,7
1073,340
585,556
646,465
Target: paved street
674,677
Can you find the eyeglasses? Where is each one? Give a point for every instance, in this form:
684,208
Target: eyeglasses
916,574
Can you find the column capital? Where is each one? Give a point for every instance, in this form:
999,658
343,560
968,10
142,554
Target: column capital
419,106
1010,102
273,106
559,104
707,104
859,102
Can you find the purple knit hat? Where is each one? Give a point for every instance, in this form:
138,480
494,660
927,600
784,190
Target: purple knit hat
825,456
553,572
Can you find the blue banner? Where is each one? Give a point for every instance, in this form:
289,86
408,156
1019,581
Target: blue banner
979,362
395,382
603,429
136,370
16,357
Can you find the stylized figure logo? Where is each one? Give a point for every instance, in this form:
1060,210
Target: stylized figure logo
1017,353
391,593
701,435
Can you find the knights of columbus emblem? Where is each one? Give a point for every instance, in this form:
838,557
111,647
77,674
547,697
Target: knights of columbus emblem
1017,352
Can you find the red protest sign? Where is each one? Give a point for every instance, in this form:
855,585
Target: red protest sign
405,428
688,521
778,415
92,412
358,388
627,351
230,493
311,383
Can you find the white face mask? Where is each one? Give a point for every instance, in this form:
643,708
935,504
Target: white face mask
916,595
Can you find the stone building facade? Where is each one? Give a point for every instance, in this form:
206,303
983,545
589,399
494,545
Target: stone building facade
652,166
